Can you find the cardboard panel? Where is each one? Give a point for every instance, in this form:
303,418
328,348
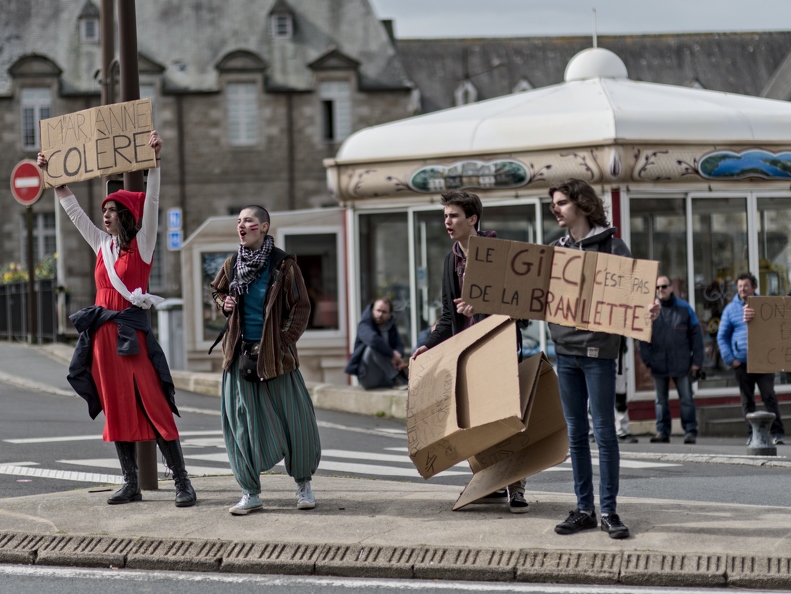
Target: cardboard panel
453,414
568,302
769,335
98,141
507,277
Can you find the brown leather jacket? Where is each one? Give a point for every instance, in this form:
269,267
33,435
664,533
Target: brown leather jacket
286,315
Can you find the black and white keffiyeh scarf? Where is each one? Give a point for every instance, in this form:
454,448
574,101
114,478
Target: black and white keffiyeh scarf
249,263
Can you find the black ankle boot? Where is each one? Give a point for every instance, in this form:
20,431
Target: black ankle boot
185,494
127,455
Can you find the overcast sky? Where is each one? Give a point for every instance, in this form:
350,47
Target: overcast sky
489,18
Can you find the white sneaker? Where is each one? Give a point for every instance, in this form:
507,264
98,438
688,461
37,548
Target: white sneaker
305,498
248,503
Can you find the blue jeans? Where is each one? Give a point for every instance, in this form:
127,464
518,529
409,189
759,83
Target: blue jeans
688,420
584,379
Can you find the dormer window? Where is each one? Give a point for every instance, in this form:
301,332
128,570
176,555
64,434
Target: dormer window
282,26
89,30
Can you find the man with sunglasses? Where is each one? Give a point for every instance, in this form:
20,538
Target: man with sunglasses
675,351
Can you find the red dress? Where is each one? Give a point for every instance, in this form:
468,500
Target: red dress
129,387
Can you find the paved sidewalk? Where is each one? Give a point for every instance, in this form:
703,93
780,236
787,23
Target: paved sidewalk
382,528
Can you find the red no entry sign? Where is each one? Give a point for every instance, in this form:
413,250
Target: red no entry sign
27,182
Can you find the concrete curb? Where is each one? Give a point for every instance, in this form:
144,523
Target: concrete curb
420,562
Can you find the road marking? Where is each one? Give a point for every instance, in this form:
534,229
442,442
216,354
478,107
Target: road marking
200,411
92,437
66,475
21,464
379,432
36,386
113,463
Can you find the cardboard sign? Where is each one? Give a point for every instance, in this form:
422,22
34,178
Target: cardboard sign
98,141
470,399
586,290
769,335
507,277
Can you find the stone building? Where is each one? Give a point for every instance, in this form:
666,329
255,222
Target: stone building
249,96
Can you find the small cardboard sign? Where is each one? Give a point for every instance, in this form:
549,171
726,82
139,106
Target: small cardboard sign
586,290
99,141
769,335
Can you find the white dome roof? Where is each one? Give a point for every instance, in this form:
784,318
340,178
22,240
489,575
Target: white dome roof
595,62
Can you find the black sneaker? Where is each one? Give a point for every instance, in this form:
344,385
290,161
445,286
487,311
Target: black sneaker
517,504
577,520
690,438
612,525
499,496
628,438
660,438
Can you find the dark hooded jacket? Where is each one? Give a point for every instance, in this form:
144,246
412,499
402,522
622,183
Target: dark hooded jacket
87,321
583,343
369,335
676,340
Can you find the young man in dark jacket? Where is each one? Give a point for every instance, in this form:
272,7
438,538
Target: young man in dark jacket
675,350
462,212
377,359
586,368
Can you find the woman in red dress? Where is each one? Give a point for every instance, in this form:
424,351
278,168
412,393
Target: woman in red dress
119,368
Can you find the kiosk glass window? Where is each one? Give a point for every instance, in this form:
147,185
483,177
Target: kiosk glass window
774,247
213,318
384,264
658,228
317,257
719,246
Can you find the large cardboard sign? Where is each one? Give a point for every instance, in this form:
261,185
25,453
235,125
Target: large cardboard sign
470,399
769,335
586,290
98,141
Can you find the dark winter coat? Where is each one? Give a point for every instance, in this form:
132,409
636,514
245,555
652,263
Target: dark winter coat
369,335
87,321
676,340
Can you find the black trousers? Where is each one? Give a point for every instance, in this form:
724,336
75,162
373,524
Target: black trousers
766,386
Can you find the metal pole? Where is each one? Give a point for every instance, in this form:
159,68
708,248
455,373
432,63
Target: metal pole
130,91
31,280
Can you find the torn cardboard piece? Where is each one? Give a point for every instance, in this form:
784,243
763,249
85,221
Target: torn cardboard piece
769,335
99,141
470,399
454,408
542,444
586,290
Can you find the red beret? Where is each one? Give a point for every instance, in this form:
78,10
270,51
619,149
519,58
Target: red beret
133,201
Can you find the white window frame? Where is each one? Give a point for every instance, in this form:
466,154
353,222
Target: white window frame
465,93
242,113
275,22
197,287
85,33
280,239
339,93
39,99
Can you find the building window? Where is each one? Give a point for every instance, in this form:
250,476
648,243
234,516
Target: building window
465,93
336,110
43,237
774,246
148,91
89,30
36,106
317,257
242,104
282,26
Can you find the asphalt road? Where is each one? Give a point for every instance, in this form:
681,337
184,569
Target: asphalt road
48,444
15,579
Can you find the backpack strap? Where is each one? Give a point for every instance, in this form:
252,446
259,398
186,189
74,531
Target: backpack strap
228,318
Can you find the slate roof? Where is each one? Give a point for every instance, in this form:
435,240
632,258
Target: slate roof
189,37
733,62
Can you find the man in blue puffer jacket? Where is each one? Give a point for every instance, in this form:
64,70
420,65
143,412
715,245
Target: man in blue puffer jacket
732,340
676,349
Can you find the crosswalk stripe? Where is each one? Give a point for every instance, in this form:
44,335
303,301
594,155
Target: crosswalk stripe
66,475
113,463
91,437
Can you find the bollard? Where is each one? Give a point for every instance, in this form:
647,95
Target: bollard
761,442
